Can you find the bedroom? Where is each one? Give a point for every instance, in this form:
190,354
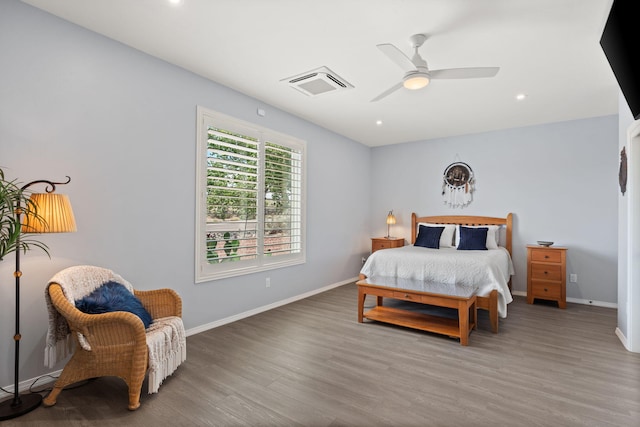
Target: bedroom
121,124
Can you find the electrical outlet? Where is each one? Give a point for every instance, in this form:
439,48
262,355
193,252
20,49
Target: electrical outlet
268,282
364,260
573,278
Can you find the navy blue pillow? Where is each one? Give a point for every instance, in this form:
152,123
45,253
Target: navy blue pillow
429,237
113,296
472,239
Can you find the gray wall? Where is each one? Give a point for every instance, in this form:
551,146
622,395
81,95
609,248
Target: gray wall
122,125
559,180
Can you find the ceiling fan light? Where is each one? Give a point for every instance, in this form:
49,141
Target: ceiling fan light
416,82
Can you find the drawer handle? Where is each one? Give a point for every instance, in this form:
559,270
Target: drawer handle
407,296
546,272
546,256
546,290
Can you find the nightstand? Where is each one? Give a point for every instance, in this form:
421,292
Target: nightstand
378,243
547,274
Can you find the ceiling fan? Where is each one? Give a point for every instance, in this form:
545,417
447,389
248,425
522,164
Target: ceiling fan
417,73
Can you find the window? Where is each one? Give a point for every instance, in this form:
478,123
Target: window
250,211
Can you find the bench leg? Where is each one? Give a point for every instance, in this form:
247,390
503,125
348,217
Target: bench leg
463,322
474,314
361,297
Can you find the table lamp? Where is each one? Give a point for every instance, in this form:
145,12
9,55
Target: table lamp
390,220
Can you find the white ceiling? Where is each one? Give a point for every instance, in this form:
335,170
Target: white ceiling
547,49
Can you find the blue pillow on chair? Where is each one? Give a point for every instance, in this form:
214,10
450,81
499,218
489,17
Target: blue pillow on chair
429,237
113,296
473,238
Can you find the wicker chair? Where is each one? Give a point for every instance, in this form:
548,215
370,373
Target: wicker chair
117,341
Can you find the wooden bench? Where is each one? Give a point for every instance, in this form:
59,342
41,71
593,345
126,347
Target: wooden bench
461,298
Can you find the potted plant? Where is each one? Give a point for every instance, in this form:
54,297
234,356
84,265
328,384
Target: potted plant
12,195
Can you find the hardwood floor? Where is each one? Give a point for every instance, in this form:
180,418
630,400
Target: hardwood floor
310,363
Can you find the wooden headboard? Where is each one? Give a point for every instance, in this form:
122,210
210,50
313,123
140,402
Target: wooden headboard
464,220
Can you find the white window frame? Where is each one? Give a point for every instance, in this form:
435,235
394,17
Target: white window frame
204,271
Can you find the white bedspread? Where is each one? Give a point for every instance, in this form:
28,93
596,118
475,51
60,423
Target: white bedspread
488,270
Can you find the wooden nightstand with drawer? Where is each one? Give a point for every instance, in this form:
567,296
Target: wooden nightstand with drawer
547,274
378,243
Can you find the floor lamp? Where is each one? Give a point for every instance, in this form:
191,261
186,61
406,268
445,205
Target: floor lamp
49,213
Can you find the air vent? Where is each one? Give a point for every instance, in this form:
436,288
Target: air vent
318,81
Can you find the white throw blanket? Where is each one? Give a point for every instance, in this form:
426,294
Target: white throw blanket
167,345
166,338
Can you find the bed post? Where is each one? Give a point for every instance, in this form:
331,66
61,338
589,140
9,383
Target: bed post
413,228
509,232
508,242
493,311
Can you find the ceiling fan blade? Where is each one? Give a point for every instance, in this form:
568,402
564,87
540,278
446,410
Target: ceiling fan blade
464,73
387,92
397,56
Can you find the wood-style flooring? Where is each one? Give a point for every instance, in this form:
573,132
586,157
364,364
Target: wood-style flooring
310,363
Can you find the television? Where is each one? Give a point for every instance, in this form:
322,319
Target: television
620,43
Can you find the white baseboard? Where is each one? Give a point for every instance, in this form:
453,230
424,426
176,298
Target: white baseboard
577,300
592,302
24,386
622,339
253,312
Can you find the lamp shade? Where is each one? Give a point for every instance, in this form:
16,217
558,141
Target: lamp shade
54,214
391,219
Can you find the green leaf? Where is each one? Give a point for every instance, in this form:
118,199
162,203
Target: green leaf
11,239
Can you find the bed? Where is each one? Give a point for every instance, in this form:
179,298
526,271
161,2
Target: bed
490,270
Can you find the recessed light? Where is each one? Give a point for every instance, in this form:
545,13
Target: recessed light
521,96
379,122
176,2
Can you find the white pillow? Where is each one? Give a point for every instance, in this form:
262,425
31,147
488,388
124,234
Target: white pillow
492,234
446,238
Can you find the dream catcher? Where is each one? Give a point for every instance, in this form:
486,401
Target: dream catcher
458,185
